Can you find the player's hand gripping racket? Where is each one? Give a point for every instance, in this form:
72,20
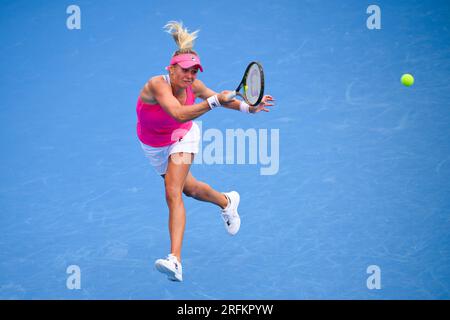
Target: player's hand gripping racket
251,88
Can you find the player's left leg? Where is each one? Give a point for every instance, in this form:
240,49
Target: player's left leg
203,192
228,201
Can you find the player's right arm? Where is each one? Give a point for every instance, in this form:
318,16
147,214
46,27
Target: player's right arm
162,93
203,92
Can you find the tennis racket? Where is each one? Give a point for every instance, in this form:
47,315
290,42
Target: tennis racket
251,88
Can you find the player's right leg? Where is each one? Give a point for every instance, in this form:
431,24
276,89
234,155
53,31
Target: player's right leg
174,180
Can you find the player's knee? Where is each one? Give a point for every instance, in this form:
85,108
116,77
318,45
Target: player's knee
191,191
173,193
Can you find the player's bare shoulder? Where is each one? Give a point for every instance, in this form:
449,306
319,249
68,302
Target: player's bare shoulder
200,89
197,85
152,87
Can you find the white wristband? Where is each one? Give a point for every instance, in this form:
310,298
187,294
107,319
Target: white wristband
213,102
244,107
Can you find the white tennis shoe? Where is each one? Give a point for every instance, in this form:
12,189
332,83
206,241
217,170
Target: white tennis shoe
171,267
230,214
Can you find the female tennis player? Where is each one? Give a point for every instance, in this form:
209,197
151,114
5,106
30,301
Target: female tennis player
170,139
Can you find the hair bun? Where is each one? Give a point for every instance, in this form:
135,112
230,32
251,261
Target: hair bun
183,38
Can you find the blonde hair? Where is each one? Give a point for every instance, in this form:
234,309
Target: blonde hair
183,38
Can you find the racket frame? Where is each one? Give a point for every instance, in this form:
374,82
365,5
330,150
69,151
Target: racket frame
244,80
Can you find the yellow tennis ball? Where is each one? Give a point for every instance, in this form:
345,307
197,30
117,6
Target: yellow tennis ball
245,88
407,79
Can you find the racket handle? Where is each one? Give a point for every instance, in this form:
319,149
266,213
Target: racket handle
231,95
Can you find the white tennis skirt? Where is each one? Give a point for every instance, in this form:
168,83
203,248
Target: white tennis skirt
159,156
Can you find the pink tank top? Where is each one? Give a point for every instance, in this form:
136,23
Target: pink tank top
157,128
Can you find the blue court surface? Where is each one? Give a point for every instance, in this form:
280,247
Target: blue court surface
347,196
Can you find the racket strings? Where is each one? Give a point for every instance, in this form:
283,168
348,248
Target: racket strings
253,85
